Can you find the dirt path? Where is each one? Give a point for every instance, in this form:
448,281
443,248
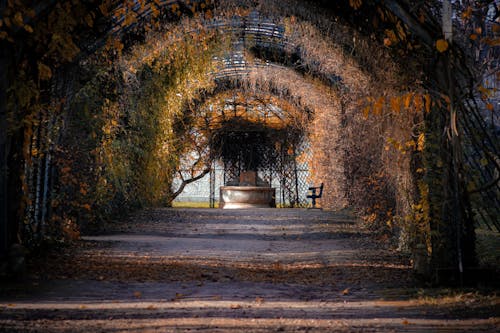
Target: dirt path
167,270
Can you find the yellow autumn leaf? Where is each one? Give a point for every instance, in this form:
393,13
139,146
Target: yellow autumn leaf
366,111
421,142
401,31
28,28
489,106
391,35
118,45
419,103
18,19
442,45
355,3
89,20
473,37
378,106
428,102
44,71
410,144
129,19
407,100
396,104
485,91
155,11
467,13
259,300
104,9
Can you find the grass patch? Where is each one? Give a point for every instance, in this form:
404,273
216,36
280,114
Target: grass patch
445,296
192,204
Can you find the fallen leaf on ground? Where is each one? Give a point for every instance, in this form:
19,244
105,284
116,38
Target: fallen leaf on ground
259,300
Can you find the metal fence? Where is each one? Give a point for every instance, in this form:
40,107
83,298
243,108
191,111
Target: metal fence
290,178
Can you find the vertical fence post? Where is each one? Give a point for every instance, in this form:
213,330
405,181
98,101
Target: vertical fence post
212,186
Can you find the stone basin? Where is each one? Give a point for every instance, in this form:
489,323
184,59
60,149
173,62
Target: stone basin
234,197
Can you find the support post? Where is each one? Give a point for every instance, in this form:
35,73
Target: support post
212,186
4,232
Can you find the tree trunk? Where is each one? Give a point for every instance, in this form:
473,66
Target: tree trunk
451,223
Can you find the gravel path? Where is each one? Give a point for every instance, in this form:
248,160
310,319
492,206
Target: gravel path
185,270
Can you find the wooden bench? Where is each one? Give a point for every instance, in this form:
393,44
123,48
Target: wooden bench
315,194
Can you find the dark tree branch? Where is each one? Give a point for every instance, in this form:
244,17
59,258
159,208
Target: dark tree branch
189,181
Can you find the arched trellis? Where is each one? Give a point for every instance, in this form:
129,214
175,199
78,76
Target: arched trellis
255,77
427,31
252,69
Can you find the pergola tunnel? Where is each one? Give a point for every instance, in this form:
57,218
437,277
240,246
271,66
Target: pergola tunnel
155,103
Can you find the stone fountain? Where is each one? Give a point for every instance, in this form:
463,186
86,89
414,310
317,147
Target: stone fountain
249,191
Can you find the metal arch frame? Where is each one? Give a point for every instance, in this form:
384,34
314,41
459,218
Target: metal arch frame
265,34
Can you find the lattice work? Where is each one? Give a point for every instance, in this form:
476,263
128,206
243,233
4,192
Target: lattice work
276,166
295,180
272,152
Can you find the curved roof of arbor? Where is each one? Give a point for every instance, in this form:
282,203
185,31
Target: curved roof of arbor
264,28
264,54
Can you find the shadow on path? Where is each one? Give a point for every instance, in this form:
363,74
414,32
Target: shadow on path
233,271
